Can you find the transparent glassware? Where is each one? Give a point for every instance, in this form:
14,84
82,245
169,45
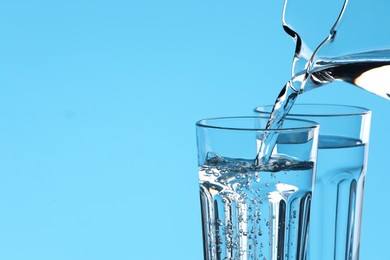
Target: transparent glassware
340,40
336,214
255,211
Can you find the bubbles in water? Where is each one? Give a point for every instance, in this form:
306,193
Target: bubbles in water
294,215
240,204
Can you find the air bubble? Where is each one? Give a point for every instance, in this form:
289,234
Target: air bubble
209,171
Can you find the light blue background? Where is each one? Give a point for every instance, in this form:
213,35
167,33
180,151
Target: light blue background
98,101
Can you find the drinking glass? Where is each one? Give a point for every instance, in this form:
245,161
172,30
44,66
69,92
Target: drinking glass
253,210
336,214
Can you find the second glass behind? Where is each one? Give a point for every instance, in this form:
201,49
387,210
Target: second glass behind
341,171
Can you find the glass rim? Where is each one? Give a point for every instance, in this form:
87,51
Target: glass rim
309,124
359,111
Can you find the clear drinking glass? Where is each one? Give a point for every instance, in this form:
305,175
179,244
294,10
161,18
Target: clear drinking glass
255,210
336,213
